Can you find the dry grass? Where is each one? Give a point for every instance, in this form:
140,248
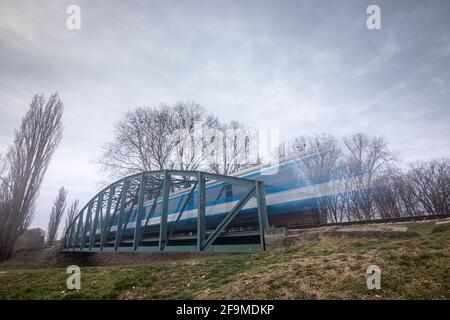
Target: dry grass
314,264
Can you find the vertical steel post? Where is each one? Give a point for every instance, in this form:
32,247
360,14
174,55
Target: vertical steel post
140,208
80,225
72,230
94,225
105,230
123,202
262,212
74,238
201,216
72,234
66,237
86,226
165,210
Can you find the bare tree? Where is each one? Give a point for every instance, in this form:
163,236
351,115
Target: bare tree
366,158
386,194
230,148
405,191
188,135
59,206
394,196
431,185
284,151
31,239
26,162
71,213
142,142
365,183
338,196
317,160
164,137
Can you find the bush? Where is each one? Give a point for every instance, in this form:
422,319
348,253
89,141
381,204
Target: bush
31,239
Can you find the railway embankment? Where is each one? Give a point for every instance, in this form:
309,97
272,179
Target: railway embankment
314,263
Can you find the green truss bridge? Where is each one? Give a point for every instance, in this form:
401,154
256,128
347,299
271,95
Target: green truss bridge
172,210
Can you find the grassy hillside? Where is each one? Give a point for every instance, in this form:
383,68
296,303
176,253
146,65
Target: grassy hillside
315,264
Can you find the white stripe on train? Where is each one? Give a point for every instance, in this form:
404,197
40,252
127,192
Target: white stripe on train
276,198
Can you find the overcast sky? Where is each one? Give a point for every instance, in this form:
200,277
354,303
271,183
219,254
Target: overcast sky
301,66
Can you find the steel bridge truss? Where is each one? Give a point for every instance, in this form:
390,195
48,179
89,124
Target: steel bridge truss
122,204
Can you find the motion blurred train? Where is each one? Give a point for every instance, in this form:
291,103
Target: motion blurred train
290,199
